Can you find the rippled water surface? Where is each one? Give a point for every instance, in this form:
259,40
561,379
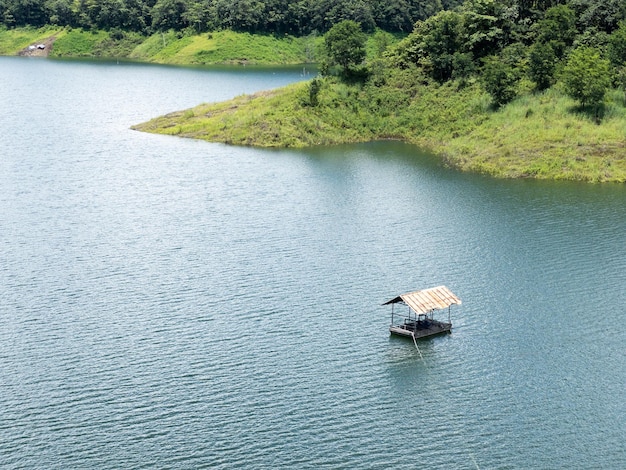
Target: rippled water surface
168,303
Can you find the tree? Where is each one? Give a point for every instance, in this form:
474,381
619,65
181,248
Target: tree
601,15
199,15
60,11
107,14
558,28
23,12
393,15
168,14
621,80
314,89
487,26
500,80
241,15
355,10
345,44
441,41
541,64
586,76
436,45
617,46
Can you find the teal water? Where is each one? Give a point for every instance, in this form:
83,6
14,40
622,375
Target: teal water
168,303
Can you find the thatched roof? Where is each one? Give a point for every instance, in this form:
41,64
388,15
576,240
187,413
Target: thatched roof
427,300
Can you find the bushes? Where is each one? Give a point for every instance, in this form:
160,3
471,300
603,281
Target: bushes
345,45
500,81
586,76
541,65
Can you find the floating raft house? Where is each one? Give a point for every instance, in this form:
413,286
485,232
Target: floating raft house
418,320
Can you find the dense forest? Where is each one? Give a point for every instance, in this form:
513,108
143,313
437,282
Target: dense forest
299,17
579,43
447,39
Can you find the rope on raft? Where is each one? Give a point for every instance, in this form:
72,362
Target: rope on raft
415,343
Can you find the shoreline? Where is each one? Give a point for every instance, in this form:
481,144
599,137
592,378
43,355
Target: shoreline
168,48
470,137
525,139
39,49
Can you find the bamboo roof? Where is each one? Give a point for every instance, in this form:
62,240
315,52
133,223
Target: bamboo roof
427,300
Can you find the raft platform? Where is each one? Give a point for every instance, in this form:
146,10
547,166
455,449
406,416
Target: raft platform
418,321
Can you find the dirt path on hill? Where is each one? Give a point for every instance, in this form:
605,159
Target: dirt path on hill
35,49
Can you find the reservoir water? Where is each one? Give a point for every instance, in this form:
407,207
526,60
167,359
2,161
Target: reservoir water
169,303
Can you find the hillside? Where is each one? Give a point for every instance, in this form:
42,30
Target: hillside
538,135
171,47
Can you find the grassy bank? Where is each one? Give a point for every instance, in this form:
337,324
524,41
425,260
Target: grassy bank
223,47
220,47
538,135
12,41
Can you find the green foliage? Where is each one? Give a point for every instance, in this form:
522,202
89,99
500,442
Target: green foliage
600,15
169,14
515,55
314,88
61,12
441,40
617,46
463,66
500,80
541,64
23,13
79,43
379,43
621,81
299,17
487,26
591,37
345,44
436,45
557,28
586,76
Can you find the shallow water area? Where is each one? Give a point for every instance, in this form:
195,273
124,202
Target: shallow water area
167,303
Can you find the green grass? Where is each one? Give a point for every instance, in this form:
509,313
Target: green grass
539,135
14,40
546,136
78,43
345,113
117,45
177,48
70,42
222,47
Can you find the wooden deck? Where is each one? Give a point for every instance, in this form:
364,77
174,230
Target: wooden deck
421,329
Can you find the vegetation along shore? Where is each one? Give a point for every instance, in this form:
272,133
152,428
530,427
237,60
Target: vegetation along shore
167,47
508,88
